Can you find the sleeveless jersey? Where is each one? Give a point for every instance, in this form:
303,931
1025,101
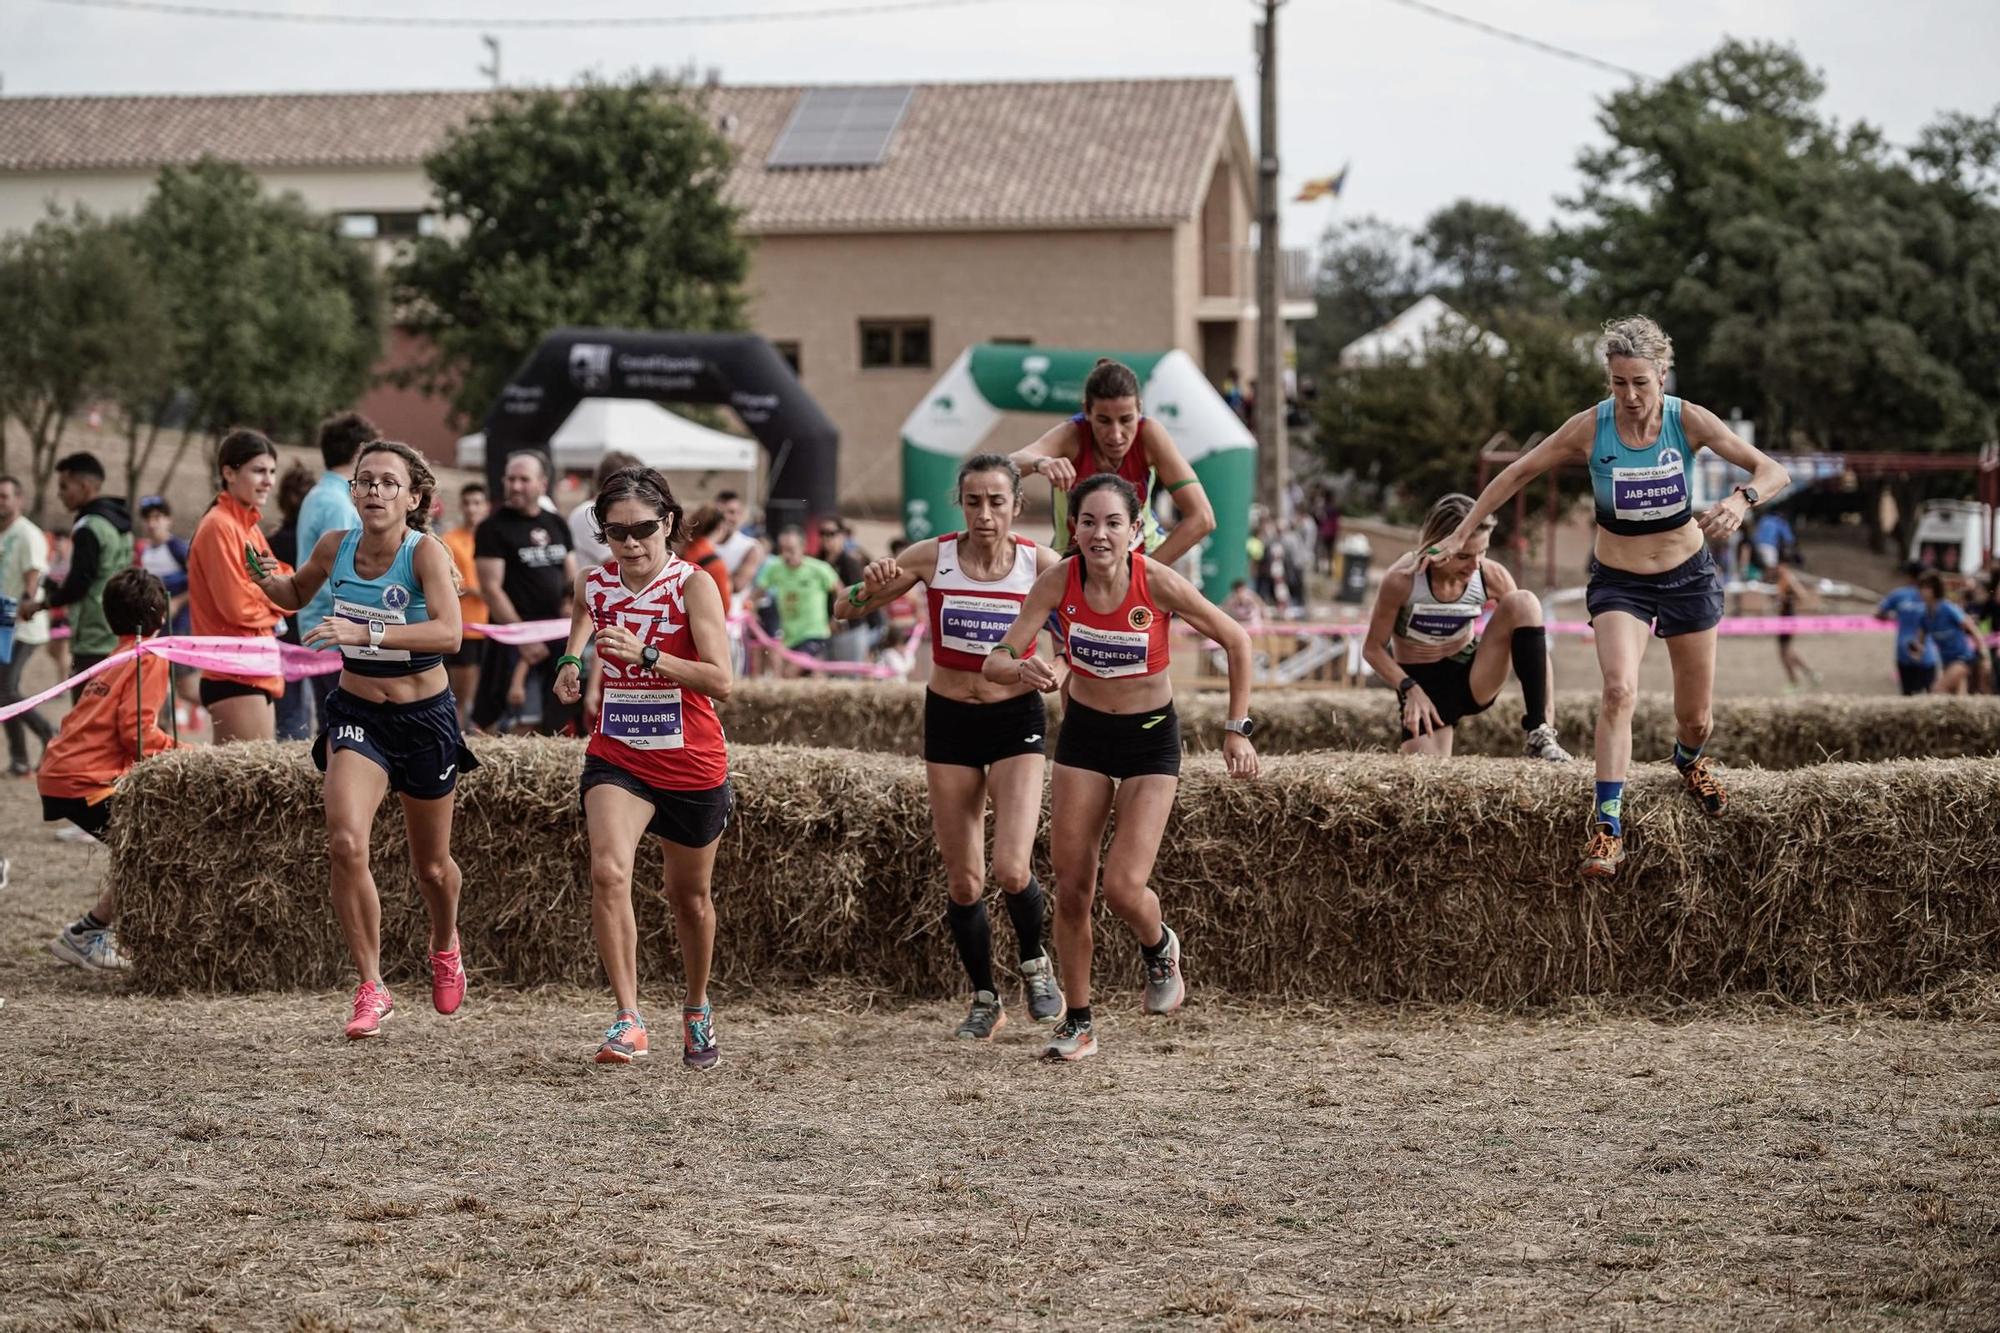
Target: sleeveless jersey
396,597
666,736
1641,491
1130,641
969,616
1133,468
1426,620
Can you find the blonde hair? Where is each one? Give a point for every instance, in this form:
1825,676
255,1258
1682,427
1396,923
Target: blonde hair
1636,336
1444,518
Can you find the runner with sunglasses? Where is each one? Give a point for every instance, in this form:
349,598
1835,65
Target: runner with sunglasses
657,762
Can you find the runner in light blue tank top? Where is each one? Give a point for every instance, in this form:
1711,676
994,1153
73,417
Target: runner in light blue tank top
1644,490
396,597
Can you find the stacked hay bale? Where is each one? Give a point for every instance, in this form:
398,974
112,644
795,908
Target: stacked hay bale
1332,876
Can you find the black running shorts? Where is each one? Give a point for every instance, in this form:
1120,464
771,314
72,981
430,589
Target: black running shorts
417,744
1120,745
685,818
1686,599
1448,685
981,735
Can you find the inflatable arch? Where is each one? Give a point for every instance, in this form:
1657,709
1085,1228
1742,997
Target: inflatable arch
990,378
737,370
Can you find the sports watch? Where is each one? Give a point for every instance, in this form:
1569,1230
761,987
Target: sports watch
649,657
1242,726
376,629
1749,495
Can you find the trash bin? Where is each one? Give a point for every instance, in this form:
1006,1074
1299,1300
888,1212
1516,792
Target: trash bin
1355,552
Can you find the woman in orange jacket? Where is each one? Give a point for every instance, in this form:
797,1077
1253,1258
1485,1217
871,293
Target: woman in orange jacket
220,594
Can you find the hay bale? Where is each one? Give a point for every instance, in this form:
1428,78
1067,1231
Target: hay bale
1334,876
886,717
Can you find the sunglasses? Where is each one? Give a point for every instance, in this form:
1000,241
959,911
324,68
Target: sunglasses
631,532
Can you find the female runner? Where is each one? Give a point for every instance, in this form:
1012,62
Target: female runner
1120,745
656,762
225,600
1424,639
980,738
1652,569
391,722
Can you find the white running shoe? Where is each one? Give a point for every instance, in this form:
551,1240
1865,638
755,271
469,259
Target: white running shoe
1542,744
68,832
93,950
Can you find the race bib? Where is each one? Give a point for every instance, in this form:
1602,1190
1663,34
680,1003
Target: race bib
973,624
1646,494
642,719
361,615
1107,653
1439,621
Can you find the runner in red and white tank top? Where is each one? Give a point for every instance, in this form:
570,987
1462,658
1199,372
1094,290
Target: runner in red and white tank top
657,762
1120,745
667,736
980,738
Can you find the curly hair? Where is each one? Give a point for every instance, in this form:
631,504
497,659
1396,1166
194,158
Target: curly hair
423,482
1636,336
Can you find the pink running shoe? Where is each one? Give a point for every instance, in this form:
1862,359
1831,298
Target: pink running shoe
371,1005
447,981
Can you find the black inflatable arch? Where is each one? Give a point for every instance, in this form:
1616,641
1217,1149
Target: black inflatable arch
737,370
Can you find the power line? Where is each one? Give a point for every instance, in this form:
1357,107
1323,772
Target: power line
323,17
1522,39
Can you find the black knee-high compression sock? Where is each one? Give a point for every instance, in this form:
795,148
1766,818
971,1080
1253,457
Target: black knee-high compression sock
973,934
1531,668
1027,910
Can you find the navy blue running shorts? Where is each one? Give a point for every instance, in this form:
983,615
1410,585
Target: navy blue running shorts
1686,599
417,744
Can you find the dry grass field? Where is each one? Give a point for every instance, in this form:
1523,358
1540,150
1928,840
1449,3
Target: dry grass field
229,1162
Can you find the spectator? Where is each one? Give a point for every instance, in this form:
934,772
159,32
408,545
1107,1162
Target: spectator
1774,542
1946,627
226,601
100,546
905,613
165,557
838,548
802,589
700,549
526,572
462,667
1916,654
24,559
1242,605
330,508
114,725
742,554
583,538
295,711
58,570
1327,517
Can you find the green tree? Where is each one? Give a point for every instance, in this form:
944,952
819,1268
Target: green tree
1485,260
85,321
604,205
1368,273
1841,291
277,320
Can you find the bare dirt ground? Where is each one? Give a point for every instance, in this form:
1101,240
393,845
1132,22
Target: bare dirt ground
229,1162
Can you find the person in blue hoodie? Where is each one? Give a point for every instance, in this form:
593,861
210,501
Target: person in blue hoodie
1916,654
1951,634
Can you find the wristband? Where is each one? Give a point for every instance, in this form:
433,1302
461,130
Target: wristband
1003,648
854,597
570,659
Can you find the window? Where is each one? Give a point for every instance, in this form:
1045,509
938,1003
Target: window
895,342
788,348
386,226
1011,342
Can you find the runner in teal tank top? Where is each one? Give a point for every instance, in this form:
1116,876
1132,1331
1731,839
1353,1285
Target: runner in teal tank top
1652,572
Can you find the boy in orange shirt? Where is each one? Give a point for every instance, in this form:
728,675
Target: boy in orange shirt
112,727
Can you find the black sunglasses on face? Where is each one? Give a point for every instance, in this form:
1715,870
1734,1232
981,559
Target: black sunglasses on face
631,532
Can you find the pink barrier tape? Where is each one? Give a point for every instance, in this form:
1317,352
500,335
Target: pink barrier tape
805,662
527,631
15,710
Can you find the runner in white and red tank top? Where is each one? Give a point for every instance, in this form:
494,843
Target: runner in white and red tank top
657,762
1121,743
980,738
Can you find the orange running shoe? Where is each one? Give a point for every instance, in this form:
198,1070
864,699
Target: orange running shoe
1604,855
447,981
1700,780
624,1041
371,1005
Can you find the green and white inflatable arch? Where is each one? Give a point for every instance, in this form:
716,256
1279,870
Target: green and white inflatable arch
990,378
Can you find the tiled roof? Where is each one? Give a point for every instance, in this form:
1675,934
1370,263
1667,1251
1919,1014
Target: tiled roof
966,155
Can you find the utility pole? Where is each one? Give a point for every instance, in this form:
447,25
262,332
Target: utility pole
492,68
1271,469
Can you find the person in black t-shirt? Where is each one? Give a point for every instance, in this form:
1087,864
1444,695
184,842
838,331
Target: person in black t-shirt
526,570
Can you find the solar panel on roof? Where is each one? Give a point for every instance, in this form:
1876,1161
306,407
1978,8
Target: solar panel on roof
840,127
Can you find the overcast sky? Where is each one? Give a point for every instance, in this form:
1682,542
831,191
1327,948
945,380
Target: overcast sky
1426,111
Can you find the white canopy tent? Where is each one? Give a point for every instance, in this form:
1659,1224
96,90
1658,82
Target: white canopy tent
657,437
1403,338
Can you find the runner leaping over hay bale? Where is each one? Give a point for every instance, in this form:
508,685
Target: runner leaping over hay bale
1332,876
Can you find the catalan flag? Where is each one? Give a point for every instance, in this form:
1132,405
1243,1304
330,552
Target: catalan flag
1322,187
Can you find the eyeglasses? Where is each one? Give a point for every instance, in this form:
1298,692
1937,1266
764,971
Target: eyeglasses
828,534
384,486
631,532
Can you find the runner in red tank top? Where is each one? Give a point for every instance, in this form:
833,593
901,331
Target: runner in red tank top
657,762
1111,436
980,738
1120,742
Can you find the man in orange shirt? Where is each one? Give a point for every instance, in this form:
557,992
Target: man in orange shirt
113,725
474,504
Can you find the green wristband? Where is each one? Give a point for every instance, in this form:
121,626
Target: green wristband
1003,648
854,597
570,659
